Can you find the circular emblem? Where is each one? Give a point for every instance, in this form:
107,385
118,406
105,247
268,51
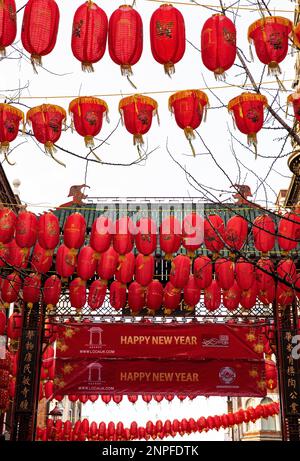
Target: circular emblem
227,375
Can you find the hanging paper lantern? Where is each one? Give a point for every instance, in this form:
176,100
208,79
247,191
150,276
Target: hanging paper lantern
192,233
87,114
270,36
224,269
245,274
236,232
191,294
73,398
10,289
89,34
65,261
77,293
214,233
93,399
4,254
203,271
265,281
46,121
117,295
180,271
14,326
289,231
132,398
10,118
123,238
136,298
171,298
40,28
120,430
74,231
144,269
125,270
26,229
48,231
16,256
248,113
125,38
188,107
86,263
7,225
248,297
137,112
167,35
264,234
108,263
286,270
97,294
294,99
41,260
154,296
146,236
51,292
8,24
218,44
231,297
170,236
212,296
101,234
270,374
32,289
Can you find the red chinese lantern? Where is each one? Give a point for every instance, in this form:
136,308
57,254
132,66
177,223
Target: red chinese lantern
7,225
271,374
214,233
224,269
236,232
73,398
191,294
180,271
123,238
203,271
117,295
158,398
147,398
270,36
46,121
2,322
248,297
170,236
125,38
86,263
52,291
144,269
40,28
265,281
171,299
248,113
8,24
294,99
136,298
154,296
65,261
93,398
16,256
77,293
218,44
97,293
146,236
32,289
192,233
50,330
89,34
289,231
125,270
4,254
286,270
41,260
87,114
245,274
10,118
101,234
108,263
137,112
74,231
14,326
167,35
212,296
132,398
263,230
231,297
48,231
26,229
188,107
49,390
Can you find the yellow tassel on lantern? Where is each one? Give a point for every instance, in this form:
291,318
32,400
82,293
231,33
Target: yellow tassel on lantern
138,139
2,52
89,141
87,67
126,70
274,68
169,68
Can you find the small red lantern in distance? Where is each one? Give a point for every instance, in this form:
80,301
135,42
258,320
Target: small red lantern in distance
74,231
270,36
248,113
46,121
118,295
125,38
10,118
8,24
89,35
137,112
26,229
146,236
294,99
167,35
218,44
87,116
170,236
40,28
48,231
7,225
263,231
188,107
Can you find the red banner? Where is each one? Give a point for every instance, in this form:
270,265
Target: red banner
213,377
159,341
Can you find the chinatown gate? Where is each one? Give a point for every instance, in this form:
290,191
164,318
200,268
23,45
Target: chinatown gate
127,347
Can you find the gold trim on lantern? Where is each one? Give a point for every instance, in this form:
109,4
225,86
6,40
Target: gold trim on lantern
138,98
185,94
246,97
87,100
260,23
13,110
45,108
